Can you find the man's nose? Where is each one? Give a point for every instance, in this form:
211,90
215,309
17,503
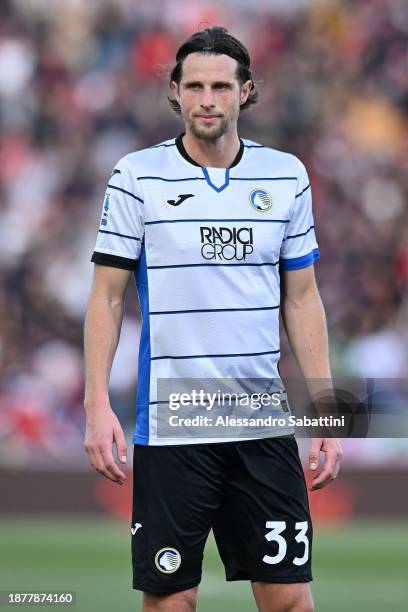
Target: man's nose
207,98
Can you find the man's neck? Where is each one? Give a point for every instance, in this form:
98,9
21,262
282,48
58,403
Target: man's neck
219,153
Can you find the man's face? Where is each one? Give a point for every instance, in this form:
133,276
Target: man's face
210,94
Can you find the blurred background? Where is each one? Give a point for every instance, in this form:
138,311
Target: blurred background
83,82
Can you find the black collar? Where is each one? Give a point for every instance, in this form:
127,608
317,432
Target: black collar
183,152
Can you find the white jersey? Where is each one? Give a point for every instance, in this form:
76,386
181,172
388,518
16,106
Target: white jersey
206,245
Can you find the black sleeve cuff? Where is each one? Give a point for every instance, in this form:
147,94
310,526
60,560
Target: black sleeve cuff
114,261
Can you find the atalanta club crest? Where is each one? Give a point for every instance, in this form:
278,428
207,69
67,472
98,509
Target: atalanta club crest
167,560
261,200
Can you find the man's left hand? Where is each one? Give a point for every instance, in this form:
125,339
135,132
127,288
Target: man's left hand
333,454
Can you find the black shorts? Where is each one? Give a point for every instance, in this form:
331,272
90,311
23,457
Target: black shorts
251,493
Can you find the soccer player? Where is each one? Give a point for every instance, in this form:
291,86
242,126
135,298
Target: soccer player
219,233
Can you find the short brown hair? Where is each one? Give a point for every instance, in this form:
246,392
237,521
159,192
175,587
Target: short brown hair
215,40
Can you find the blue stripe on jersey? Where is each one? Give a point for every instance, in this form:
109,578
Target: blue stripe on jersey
120,235
143,386
296,263
172,144
211,184
263,178
216,220
170,180
231,178
298,235
132,195
205,356
163,312
196,265
255,146
302,192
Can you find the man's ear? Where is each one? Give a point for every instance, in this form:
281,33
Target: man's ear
245,91
175,90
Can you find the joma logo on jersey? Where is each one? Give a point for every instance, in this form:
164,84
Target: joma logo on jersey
226,243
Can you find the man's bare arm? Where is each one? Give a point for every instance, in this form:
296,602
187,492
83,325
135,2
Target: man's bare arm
102,330
305,324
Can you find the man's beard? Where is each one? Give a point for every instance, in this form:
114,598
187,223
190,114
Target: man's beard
209,133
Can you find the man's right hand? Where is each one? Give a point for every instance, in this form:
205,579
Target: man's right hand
102,430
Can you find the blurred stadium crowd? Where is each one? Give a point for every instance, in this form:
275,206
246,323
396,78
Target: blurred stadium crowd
82,82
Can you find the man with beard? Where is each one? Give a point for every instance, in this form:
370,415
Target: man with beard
220,235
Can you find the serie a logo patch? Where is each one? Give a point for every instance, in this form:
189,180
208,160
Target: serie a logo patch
104,220
261,200
167,560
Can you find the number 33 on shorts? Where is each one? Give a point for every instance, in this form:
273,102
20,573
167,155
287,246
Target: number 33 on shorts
275,535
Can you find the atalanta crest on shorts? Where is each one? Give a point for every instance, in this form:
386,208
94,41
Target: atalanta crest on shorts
167,560
261,200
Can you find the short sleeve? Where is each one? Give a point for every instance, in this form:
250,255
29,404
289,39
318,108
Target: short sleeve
299,246
121,227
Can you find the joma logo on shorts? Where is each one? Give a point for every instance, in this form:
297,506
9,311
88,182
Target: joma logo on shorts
226,243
